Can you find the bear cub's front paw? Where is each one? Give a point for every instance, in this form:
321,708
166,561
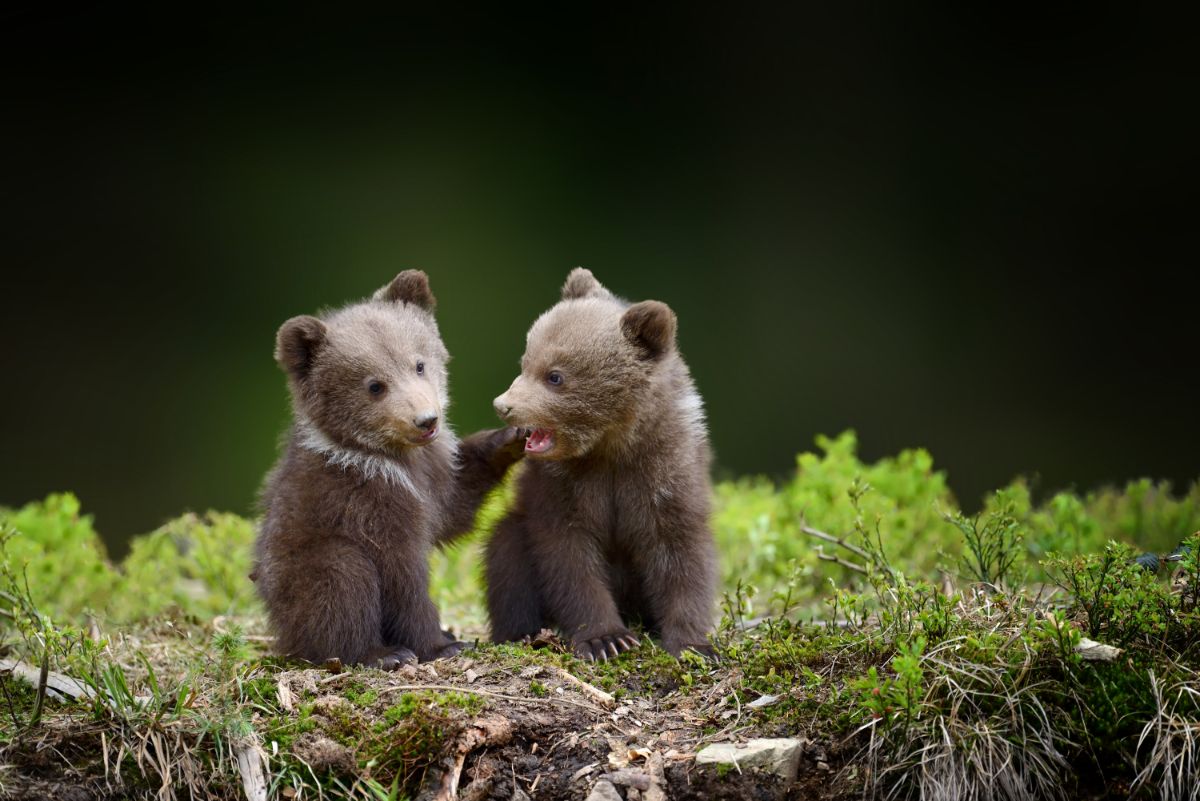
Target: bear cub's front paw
702,647
447,651
510,443
392,657
602,647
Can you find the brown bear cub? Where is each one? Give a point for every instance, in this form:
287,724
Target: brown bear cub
370,480
610,525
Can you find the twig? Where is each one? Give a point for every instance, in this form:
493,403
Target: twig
839,560
604,699
470,690
821,535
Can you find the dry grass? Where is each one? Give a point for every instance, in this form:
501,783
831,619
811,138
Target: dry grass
1168,750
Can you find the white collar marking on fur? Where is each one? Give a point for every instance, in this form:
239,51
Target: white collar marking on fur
371,465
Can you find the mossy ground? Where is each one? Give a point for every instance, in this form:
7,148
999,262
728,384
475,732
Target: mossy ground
943,662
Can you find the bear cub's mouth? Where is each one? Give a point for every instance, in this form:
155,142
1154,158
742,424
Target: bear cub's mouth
540,441
426,437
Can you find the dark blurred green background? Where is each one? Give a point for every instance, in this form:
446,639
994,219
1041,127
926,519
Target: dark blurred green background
942,229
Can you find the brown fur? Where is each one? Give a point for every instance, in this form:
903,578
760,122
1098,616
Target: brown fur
611,524
358,499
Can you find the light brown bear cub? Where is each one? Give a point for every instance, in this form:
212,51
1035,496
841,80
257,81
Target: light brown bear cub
371,478
610,524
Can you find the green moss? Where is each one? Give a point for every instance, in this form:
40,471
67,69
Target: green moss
360,695
17,701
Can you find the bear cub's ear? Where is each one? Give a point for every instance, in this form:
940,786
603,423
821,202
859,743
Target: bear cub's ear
410,286
297,344
650,325
581,284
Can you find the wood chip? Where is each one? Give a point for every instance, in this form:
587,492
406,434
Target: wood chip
58,686
1093,651
249,762
287,701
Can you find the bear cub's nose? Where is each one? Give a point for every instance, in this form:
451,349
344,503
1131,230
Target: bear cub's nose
502,409
426,422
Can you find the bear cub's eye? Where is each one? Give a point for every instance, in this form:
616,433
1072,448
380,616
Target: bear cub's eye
376,388
420,368
554,377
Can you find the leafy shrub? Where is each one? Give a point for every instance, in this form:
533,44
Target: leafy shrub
197,564
904,507
54,548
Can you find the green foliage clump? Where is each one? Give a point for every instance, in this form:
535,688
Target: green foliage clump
55,550
1143,514
195,565
198,564
762,525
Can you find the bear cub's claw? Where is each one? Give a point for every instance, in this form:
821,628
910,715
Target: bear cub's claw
396,658
511,442
605,646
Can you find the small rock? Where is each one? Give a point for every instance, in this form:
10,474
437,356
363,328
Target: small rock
604,791
823,766
658,780
629,777
471,676
776,755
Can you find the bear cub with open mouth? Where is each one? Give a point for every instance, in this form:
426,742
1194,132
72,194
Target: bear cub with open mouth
610,524
370,480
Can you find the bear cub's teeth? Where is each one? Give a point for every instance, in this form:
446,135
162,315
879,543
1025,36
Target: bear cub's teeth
540,441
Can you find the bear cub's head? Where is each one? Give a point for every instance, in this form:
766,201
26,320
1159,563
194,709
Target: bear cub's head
588,363
371,376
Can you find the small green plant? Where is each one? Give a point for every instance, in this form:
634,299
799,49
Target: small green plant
1115,596
895,699
994,545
